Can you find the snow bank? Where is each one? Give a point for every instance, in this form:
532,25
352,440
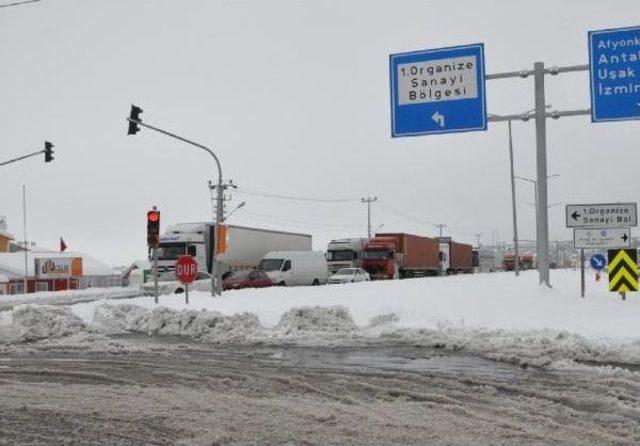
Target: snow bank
314,320
42,322
496,316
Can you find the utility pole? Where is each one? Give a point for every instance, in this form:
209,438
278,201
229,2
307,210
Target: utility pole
441,226
369,200
477,236
24,221
214,200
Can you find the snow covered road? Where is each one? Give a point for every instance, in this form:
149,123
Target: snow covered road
486,359
174,392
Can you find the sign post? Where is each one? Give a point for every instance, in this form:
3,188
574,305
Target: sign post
615,74
600,226
582,286
438,91
186,272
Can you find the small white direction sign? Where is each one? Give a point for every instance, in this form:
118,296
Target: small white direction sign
607,215
601,238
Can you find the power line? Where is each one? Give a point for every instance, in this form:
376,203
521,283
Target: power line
18,3
294,198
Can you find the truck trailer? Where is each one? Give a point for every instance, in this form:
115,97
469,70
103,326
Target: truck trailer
245,246
399,256
455,257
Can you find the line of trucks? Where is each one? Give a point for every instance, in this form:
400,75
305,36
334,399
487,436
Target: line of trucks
288,258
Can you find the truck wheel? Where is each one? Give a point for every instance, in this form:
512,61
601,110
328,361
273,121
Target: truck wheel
316,282
179,291
281,284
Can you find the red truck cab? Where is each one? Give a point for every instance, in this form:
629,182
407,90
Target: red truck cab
378,258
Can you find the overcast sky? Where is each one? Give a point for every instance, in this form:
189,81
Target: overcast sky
293,96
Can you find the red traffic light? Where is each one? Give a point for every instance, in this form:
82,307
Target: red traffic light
153,216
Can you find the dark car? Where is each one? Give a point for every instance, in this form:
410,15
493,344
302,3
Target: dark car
246,279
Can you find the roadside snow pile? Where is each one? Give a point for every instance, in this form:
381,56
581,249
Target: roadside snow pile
113,319
539,348
208,326
313,320
497,316
34,322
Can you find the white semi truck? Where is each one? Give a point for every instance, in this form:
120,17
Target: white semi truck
345,253
245,246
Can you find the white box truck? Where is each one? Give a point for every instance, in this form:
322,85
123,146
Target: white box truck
295,268
245,246
345,253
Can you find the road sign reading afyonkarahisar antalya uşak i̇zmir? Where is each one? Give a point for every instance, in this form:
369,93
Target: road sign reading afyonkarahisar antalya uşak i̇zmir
614,60
438,91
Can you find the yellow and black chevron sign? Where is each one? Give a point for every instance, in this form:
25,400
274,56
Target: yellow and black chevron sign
623,270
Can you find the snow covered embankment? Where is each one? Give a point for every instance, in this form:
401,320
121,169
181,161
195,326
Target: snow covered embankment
495,316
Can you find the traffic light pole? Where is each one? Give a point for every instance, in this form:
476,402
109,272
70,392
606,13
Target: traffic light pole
155,273
216,283
47,154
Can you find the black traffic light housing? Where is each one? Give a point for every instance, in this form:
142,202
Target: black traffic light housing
153,228
48,152
135,116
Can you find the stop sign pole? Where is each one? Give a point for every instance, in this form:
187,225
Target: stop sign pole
186,272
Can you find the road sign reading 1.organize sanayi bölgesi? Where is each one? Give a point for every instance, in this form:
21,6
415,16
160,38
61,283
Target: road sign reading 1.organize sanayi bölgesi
614,60
609,215
438,91
601,238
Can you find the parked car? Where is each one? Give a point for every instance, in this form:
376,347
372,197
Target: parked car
295,268
168,284
246,279
346,275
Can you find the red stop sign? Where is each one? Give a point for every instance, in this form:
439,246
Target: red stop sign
186,269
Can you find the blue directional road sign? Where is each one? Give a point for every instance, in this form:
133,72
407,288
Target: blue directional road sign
614,59
438,91
598,262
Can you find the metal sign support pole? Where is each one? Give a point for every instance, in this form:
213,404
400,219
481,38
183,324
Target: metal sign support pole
542,221
155,274
582,286
541,164
186,293
516,262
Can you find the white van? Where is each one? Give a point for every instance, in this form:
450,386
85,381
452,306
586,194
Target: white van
295,268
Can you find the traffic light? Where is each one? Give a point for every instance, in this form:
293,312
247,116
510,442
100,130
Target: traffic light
153,228
48,152
135,115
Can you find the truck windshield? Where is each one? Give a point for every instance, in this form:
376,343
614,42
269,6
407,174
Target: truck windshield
342,255
270,264
171,251
375,254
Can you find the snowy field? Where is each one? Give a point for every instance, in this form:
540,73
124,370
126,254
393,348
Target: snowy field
496,316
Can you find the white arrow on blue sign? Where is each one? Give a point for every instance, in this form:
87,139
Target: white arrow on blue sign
614,60
438,91
598,262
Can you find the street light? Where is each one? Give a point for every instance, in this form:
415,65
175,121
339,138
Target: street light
525,117
535,189
234,209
